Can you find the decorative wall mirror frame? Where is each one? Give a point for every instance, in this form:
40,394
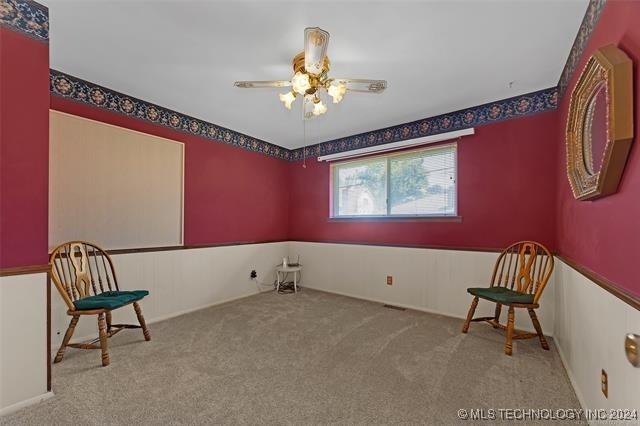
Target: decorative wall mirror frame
600,124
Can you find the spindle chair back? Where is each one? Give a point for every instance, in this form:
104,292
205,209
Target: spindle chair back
525,267
81,269
519,277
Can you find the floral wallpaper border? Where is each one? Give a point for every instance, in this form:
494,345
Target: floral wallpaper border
584,32
501,110
31,18
70,87
27,17
519,106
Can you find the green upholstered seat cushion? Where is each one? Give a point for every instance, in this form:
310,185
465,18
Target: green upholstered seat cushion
110,299
501,295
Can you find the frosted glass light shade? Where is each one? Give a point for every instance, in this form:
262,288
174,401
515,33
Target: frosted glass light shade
300,83
319,108
287,99
337,91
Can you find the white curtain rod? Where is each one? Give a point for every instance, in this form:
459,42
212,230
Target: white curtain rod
398,145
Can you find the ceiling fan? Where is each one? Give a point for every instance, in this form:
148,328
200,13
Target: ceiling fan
310,78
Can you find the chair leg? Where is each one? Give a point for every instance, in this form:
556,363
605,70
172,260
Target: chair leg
102,331
496,315
536,325
508,346
108,314
472,310
143,324
67,337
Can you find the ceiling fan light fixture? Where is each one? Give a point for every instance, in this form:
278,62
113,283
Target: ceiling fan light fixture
311,78
337,91
287,99
319,107
300,83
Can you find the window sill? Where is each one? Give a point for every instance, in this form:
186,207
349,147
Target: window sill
454,219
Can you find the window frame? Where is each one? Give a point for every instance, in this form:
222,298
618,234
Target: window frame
333,186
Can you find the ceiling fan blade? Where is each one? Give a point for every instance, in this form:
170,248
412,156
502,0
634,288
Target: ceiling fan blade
362,85
264,84
316,41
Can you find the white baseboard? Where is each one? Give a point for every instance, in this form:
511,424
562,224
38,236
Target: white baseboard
427,280
402,305
587,348
385,302
572,379
27,402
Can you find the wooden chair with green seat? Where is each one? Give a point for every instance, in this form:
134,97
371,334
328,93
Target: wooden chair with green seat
519,277
85,277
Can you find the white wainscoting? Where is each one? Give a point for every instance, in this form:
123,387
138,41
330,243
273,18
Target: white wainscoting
590,328
424,279
179,281
587,322
23,340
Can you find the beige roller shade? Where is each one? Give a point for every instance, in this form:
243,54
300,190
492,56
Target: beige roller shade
113,186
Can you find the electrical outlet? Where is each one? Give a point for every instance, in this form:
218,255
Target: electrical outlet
389,280
253,275
604,380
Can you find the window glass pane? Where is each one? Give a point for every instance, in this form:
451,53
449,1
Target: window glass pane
423,183
417,183
361,188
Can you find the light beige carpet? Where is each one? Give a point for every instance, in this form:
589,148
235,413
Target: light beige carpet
309,358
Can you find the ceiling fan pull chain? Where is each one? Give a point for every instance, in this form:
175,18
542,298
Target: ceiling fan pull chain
304,141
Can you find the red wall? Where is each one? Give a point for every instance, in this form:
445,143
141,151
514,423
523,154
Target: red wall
506,180
231,195
24,149
604,235
512,182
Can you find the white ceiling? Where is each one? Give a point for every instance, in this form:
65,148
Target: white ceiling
437,56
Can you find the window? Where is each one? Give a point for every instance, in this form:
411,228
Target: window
416,183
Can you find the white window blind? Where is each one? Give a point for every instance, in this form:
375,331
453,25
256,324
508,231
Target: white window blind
416,183
361,188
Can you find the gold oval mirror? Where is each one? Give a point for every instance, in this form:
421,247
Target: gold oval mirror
600,124
595,130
